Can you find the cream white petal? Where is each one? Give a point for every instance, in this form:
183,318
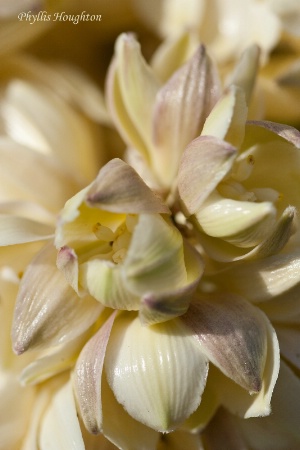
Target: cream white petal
60,427
87,377
103,280
239,401
285,308
155,258
173,53
29,110
233,335
119,113
228,117
120,428
14,406
266,278
204,163
53,362
241,223
281,429
33,175
287,132
19,230
47,309
283,230
78,88
118,188
138,84
42,400
156,307
67,263
157,373
245,71
181,107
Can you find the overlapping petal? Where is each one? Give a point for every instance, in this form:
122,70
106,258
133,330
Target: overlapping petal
233,335
159,377
60,428
47,308
87,377
190,93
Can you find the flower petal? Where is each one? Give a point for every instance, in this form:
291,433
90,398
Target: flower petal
33,174
157,308
287,132
103,280
15,405
19,230
181,108
120,428
233,335
118,188
227,119
130,91
28,110
155,258
281,429
246,70
60,427
204,163
242,223
157,373
264,279
47,309
87,377
137,83
236,399
54,362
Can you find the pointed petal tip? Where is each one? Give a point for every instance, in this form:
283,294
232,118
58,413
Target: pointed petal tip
19,348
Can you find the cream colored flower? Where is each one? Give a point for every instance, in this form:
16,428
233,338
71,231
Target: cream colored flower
239,207
120,300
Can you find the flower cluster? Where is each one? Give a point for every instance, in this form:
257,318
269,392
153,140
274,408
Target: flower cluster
150,245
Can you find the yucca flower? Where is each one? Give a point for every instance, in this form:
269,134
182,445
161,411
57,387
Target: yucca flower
119,295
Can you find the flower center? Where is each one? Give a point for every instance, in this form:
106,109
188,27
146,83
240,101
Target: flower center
118,240
232,187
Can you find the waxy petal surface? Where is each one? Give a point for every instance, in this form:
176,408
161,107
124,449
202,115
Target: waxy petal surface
155,258
47,310
19,230
227,119
60,428
118,188
156,307
104,281
204,163
158,377
122,429
237,400
241,223
87,377
232,334
33,173
180,110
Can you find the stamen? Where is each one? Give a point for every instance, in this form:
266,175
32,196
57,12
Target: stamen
243,168
119,256
103,233
267,195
